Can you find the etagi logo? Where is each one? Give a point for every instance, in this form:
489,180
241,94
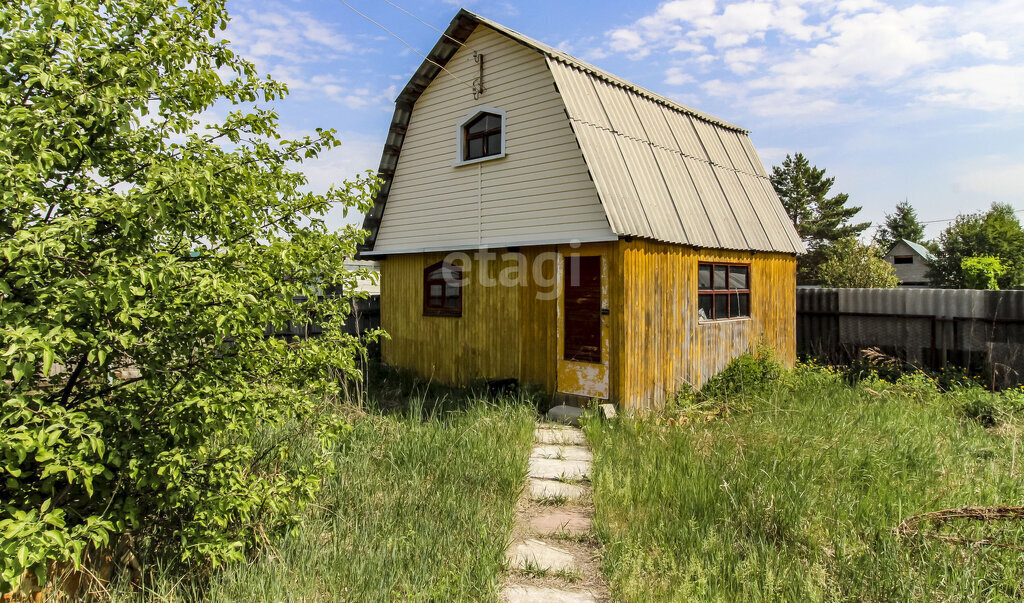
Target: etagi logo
514,269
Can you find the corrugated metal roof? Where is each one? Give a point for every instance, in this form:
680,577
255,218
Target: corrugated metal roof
662,170
730,199
920,249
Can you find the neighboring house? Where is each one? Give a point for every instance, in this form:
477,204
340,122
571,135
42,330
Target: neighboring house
545,221
369,286
910,260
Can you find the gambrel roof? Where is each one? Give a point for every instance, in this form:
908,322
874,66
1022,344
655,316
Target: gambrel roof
662,171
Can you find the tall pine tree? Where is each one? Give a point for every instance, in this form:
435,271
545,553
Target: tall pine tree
820,220
901,224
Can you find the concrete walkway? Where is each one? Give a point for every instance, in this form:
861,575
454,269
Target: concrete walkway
552,555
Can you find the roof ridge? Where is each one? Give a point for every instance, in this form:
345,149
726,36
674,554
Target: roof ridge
611,78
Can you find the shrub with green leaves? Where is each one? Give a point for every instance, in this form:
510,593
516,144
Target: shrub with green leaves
141,262
749,373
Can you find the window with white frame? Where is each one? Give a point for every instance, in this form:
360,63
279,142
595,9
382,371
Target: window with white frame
481,136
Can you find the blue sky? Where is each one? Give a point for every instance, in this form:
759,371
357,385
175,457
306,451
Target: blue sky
919,101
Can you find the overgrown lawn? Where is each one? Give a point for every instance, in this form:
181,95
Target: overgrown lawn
419,509
795,494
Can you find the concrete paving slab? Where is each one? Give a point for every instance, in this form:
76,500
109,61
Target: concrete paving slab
541,489
557,521
569,453
537,594
565,436
537,555
542,468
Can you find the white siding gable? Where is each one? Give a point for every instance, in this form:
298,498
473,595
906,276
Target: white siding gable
539,192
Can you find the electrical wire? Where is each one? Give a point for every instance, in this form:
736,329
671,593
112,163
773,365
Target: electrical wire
409,46
1016,211
427,24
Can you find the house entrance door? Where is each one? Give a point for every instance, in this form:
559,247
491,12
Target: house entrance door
583,330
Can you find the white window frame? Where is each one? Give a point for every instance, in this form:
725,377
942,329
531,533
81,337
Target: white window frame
459,138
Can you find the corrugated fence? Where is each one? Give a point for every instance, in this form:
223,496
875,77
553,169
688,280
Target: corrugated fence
980,331
365,316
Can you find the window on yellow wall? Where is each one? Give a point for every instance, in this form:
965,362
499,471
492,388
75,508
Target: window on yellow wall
723,291
442,290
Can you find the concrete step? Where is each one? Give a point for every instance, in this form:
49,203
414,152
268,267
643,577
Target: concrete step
558,521
536,555
569,453
541,489
562,436
537,594
542,468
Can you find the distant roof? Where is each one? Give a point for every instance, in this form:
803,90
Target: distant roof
919,249
662,170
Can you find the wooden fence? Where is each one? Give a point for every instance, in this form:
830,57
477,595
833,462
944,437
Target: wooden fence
981,332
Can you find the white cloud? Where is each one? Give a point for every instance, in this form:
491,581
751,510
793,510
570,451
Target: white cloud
873,48
743,60
982,87
979,44
831,55
676,77
293,36
293,47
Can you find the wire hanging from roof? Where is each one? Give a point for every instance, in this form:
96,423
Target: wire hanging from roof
409,46
460,43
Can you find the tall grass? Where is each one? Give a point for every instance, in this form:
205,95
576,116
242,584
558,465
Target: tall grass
796,496
419,509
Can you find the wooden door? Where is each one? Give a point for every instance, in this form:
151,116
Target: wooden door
583,337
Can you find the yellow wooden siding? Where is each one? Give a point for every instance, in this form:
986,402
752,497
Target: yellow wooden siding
657,342
540,191
504,331
664,345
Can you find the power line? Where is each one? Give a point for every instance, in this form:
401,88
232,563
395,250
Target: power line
1016,211
409,46
427,24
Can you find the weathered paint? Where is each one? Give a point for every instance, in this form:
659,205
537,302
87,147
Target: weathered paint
665,345
585,379
655,342
504,332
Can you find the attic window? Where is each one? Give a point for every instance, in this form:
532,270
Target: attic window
481,136
903,259
723,291
442,290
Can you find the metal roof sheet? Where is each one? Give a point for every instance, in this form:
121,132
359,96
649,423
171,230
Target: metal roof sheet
731,200
920,249
662,170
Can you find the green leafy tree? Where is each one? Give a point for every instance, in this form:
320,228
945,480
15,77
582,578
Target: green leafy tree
901,224
982,272
142,400
850,263
996,233
820,219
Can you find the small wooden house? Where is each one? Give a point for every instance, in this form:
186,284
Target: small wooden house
910,261
545,221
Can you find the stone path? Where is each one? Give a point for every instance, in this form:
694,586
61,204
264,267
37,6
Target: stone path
552,556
